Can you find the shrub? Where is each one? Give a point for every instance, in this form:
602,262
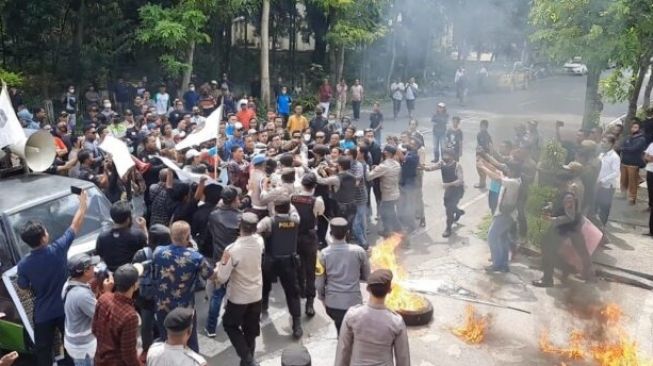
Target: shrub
538,197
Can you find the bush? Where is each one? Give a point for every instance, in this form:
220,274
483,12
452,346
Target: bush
11,78
484,227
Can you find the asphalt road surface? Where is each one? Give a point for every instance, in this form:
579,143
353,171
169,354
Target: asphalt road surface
458,262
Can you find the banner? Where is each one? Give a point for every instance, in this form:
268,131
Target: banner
185,176
11,131
208,132
119,153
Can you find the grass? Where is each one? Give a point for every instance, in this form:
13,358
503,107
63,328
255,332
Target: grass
483,228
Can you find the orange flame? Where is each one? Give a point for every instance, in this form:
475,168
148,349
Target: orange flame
474,328
615,348
383,256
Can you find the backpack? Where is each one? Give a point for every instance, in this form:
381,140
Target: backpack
146,287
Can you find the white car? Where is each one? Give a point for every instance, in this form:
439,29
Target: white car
575,68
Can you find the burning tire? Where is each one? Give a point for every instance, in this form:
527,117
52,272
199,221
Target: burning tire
418,317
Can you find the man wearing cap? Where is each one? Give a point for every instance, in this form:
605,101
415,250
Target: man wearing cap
281,231
309,208
257,178
238,168
273,192
340,268
177,269
115,322
388,172
175,351
79,307
240,269
453,184
371,334
223,228
44,271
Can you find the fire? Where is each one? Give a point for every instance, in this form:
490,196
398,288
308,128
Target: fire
473,330
383,256
614,348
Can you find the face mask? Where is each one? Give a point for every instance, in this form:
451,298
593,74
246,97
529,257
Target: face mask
107,105
307,137
71,91
192,88
196,113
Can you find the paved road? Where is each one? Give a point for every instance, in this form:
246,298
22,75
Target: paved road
458,261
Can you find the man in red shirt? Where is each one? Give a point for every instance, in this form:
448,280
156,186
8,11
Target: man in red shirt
246,113
115,323
325,94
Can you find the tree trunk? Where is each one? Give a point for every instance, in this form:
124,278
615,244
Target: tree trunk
647,92
391,69
341,65
644,62
333,64
265,54
591,115
188,71
77,44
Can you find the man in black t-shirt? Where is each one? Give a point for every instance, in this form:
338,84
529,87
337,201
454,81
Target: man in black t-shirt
118,245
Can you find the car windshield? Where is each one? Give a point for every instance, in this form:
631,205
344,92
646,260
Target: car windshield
56,216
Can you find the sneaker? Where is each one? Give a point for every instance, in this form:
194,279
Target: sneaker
422,222
446,233
492,269
457,215
209,334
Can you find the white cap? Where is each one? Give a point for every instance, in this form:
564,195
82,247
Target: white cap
252,131
192,153
441,105
238,125
359,133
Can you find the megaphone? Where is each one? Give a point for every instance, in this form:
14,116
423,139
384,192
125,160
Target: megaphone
37,150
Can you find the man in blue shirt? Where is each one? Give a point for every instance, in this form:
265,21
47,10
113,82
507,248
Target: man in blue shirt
191,97
349,142
177,269
235,140
44,272
283,104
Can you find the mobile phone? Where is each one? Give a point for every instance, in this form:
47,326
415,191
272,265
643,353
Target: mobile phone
75,190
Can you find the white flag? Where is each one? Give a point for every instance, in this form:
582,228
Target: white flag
208,132
11,132
119,153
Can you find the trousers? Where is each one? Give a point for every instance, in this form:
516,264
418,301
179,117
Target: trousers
630,181
396,107
389,218
215,303
551,258
359,227
307,250
452,196
44,341
356,106
407,204
285,269
499,240
603,203
337,315
241,322
439,144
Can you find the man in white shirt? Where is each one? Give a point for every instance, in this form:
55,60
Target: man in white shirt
357,92
607,181
241,267
411,94
397,89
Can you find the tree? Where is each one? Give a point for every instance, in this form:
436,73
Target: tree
567,29
265,54
177,30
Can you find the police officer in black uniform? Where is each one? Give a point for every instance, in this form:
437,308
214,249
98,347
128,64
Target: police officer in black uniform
453,183
319,161
344,189
280,258
309,209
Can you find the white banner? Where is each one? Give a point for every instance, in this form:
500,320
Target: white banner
208,132
11,131
185,176
119,153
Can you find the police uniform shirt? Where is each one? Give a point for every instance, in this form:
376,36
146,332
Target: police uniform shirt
163,354
340,268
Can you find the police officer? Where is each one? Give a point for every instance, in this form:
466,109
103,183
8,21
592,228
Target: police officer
309,209
281,231
344,189
453,184
319,162
178,324
371,334
339,269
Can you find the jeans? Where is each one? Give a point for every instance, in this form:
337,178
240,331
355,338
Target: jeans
649,187
242,323
407,204
389,217
377,136
44,339
604,203
147,327
419,198
439,143
493,200
499,240
88,361
360,225
396,107
356,106
214,308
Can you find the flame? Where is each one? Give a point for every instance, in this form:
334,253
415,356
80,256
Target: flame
473,330
614,348
383,256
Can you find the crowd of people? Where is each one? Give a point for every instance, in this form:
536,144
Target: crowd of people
296,205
